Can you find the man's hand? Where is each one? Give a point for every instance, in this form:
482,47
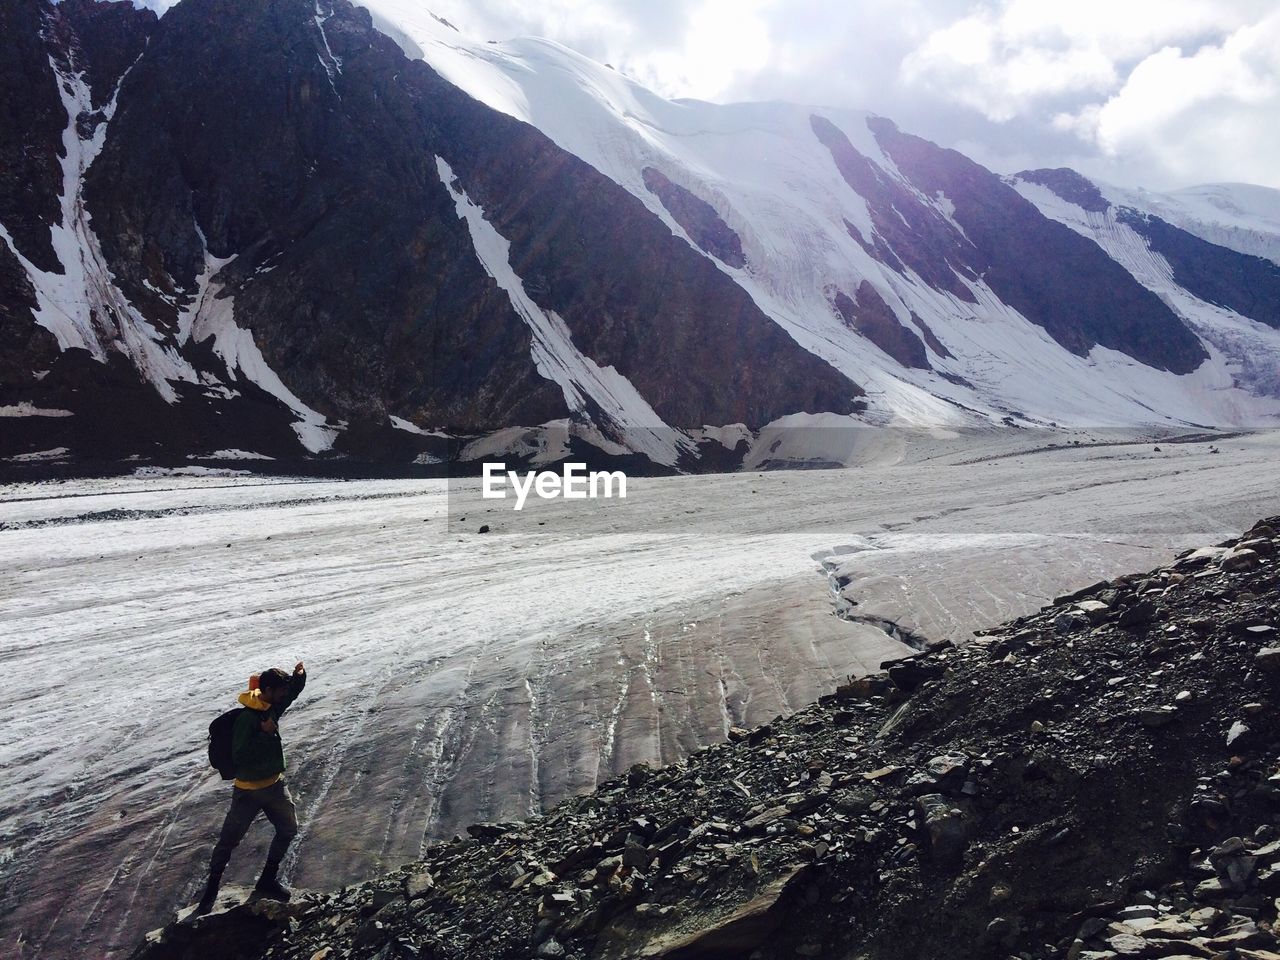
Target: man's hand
269,725
299,669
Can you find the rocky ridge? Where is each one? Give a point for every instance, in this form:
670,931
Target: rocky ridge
1095,780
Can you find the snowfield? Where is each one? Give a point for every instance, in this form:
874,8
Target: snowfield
773,183
456,677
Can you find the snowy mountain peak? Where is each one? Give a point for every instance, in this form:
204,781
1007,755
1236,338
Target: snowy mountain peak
474,239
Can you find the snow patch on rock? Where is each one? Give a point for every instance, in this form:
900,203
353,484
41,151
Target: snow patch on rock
402,424
55,453
82,306
232,453
211,315
26,409
582,381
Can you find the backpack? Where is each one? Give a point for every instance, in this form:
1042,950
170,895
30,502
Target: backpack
220,734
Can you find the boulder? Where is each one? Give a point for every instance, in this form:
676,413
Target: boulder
1233,863
948,770
1095,610
1153,717
945,827
1201,557
716,929
909,675
1139,615
417,884
1239,559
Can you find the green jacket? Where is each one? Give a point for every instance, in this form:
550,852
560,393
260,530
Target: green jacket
257,754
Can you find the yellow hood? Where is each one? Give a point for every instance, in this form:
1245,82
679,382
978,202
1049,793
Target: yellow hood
253,700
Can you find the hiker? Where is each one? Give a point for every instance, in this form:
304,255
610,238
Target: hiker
258,757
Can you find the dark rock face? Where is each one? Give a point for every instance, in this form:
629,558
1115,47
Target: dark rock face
634,296
32,117
699,218
1050,274
28,348
1248,285
136,422
1107,789
374,302
106,39
1070,186
876,321
32,368
908,234
936,345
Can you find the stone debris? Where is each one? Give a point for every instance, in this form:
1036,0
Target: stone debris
1080,783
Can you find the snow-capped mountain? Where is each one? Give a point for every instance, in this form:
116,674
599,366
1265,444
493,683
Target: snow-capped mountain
1240,216
1232,301
296,229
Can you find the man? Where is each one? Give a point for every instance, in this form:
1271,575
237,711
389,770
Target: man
259,785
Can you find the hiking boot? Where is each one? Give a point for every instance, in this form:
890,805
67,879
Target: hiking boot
272,890
269,887
208,898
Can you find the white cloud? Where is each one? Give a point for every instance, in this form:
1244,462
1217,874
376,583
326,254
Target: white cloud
1217,107
1186,90
722,42
1007,60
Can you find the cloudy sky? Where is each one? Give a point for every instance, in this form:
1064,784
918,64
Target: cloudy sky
1152,93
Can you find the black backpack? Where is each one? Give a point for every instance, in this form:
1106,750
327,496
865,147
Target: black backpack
220,734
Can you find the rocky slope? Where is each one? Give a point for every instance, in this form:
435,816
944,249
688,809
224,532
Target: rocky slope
1095,780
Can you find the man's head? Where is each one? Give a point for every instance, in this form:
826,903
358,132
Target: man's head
274,684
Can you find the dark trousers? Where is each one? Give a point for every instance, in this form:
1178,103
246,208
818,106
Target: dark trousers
276,802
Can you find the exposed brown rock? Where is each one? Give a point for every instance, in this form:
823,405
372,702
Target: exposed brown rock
699,218
1054,277
875,320
32,118
936,345
908,234
1070,186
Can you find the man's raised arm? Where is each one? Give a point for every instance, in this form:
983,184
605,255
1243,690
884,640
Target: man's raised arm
296,682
